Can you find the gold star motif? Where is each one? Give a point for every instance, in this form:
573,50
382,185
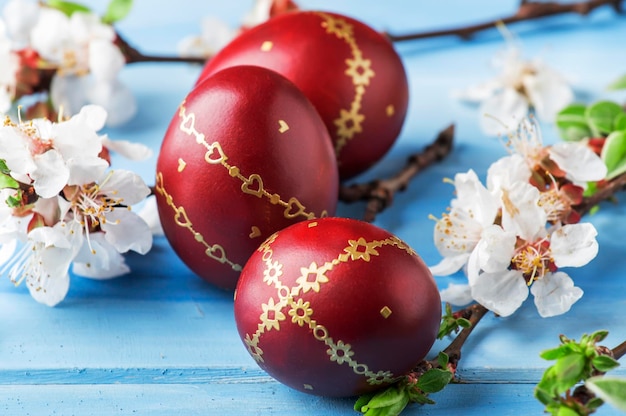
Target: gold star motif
349,123
272,315
337,27
360,70
317,274
361,249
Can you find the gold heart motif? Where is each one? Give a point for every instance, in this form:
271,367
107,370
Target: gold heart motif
215,154
255,232
253,185
216,252
294,208
181,165
283,126
188,123
181,217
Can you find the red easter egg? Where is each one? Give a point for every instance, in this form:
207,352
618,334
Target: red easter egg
336,307
350,72
245,155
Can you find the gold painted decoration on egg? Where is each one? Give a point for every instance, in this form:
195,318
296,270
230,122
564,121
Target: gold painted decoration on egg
213,251
292,309
359,70
252,184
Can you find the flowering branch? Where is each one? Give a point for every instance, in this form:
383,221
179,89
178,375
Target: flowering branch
379,193
606,192
528,10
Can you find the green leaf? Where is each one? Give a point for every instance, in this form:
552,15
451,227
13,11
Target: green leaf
566,411
443,359
610,389
68,7
600,335
572,123
117,10
618,84
463,323
14,201
543,396
620,122
594,403
8,182
569,370
601,115
434,380
556,353
386,398
4,168
362,401
604,363
614,154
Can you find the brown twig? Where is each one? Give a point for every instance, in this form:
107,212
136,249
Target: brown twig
619,351
528,10
133,55
474,313
379,193
606,191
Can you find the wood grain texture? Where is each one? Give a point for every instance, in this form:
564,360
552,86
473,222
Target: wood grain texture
160,341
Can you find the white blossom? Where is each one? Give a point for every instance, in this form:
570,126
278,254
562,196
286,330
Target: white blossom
214,35
521,85
8,69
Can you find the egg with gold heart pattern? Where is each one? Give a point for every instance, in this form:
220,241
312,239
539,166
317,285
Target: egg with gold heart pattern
336,307
350,72
245,155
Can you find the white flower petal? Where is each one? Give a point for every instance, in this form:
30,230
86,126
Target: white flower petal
548,92
495,249
126,186
521,213
51,174
502,112
129,150
502,292
150,214
127,231
474,198
579,162
479,92
259,13
50,34
93,116
574,245
85,170
49,290
116,98
7,250
456,233
457,295
68,92
105,60
555,294
98,259
506,171
449,264
20,17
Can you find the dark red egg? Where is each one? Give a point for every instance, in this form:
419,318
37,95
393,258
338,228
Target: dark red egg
350,72
245,155
336,307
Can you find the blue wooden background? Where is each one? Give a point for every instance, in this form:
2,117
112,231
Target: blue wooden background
162,342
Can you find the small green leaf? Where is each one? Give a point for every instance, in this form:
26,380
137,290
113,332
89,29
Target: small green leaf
618,84
4,168
601,115
614,154
543,396
443,359
386,398
569,370
117,10
604,363
620,122
572,123
610,389
434,380
362,401
556,353
594,403
8,182
14,201
599,335
566,411
68,7
464,323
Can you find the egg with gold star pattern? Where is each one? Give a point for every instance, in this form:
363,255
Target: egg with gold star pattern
336,307
245,155
350,72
